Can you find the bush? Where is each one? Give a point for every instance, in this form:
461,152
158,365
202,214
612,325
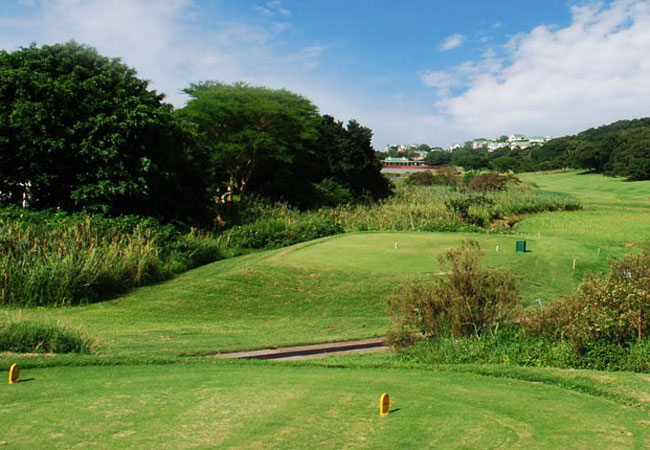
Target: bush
444,176
330,193
469,300
34,337
275,233
490,182
604,311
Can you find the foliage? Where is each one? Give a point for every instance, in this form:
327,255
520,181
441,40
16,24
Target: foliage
345,154
491,182
611,310
444,176
23,336
52,258
510,347
470,300
273,144
79,130
266,234
438,158
249,130
422,208
330,193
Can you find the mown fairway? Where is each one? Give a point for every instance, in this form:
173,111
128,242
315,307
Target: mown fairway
274,406
325,290
616,214
593,189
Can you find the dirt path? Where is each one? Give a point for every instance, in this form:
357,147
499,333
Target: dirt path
311,351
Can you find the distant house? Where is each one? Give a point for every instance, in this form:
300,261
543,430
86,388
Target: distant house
495,145
517,138
539,139
479,143
401,162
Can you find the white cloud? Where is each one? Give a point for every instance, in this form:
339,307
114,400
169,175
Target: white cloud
273,8
554,80
453,41
165,40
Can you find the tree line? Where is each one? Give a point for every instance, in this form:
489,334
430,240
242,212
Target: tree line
618,149
80,131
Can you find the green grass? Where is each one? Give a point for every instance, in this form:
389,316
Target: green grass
331,289
593,189
326,290
617,213
276,406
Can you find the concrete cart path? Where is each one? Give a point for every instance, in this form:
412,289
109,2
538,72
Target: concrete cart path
311,351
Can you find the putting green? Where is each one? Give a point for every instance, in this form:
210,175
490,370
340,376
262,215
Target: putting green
275,406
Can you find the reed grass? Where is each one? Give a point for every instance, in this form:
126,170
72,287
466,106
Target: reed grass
24,336
66,260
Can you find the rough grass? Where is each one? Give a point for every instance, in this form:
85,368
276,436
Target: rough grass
22,336
53,259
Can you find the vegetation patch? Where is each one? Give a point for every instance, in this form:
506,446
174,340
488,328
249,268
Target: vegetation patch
25,336
52,258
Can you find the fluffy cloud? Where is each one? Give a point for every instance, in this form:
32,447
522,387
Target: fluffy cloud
166,41
453,41
554,80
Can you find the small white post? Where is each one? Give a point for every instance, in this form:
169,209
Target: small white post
396,245
498,248
575,261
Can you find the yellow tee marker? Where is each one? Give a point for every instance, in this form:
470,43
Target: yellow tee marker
14,373
384,404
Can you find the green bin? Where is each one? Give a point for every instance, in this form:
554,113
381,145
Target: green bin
521,246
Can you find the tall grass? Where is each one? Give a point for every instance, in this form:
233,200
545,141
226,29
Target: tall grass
55,259
413,208
23,336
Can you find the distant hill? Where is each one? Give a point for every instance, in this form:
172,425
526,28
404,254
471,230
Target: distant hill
621,148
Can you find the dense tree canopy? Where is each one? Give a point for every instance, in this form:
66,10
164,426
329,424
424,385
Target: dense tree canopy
345,155
79,130
249,130
274,144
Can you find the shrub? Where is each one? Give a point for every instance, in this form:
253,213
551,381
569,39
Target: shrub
490,182
34,337
604,311
330,193
468,301
425,178
276,233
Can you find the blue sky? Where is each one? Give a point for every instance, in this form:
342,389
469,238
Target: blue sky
413,71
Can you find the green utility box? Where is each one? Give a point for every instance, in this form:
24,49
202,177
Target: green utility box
521,246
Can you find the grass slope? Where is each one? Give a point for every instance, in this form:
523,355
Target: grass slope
275,406
325,290
617,213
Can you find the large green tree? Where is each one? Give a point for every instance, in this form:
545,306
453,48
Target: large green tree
254,135
79,130
346,155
